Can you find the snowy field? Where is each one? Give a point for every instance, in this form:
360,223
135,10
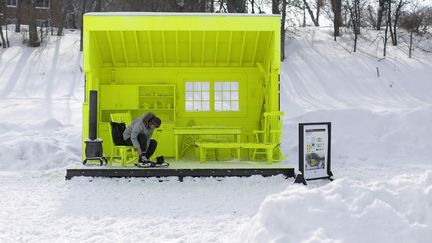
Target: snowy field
381,156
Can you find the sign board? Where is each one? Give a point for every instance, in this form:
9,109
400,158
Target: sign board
314,150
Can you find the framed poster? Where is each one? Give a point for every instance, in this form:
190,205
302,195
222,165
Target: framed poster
314,150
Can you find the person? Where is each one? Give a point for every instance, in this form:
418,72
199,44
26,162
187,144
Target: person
138,134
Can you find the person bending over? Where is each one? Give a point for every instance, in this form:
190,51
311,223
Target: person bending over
139,133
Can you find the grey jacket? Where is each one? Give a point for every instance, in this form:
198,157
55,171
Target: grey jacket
139,127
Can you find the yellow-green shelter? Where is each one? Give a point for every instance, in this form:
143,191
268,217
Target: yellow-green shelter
213,79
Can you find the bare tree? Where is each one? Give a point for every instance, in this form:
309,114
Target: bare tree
283,10
64,7
98,6
381,8
3,41
236,6
18,16
355,16
275,10
258,6
337,16
372,19
398,12
33,37
318,5
415,21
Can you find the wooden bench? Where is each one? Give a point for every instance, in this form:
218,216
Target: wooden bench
203,146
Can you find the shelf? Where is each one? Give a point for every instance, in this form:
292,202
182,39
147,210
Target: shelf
156,96
156,109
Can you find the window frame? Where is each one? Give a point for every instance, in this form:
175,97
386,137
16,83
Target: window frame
10,5
44,7
197,88
212,99
224,90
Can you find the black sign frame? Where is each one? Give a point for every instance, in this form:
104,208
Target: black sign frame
324,172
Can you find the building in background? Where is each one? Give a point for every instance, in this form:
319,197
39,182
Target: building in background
47,11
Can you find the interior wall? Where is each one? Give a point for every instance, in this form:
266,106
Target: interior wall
250,92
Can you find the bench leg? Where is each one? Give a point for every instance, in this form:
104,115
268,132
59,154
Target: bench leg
176,148
269,155
202,154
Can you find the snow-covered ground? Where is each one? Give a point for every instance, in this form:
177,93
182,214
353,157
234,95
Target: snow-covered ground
381,156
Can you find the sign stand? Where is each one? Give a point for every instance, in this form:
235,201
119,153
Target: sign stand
314,152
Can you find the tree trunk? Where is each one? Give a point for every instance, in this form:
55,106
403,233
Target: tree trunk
82,24
337,12
236,6
304,15
385,38
397,15
284,4
33,37
3,41
319,4
18,17
371,17
62,18
389,22
275,7
410,45
380,13
315,21
98,6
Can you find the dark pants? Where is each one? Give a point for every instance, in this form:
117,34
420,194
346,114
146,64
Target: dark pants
143,144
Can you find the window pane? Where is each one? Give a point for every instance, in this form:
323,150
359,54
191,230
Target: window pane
197,105
189,106
226,86
218,86
226,106
226,96
197,95
189,86
218,105
234,85
205,86
234,95
197,86
234,106
218,95
206,106
205,96
189,95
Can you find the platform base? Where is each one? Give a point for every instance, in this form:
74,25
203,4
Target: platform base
183,169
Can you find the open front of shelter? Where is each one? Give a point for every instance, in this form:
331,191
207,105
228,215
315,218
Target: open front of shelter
213,79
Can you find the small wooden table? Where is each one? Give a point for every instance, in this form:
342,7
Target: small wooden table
205,130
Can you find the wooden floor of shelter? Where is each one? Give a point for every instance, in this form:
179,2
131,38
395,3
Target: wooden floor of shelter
184,168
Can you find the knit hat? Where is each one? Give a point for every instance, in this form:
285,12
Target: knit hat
155,121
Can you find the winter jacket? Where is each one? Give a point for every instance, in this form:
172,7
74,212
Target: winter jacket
139,126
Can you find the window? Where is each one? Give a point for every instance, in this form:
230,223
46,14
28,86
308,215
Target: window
41,22
197,96
11,20
226,96
11,3
42,3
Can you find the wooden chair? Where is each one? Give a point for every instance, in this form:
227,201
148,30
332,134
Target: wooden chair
126,153
270,134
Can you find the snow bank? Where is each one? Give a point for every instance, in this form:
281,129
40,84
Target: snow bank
43,145
395,210
40,104
369,138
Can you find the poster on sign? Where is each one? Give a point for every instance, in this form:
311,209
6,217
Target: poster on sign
314,150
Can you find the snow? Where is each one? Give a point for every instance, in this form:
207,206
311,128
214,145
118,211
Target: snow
381,142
